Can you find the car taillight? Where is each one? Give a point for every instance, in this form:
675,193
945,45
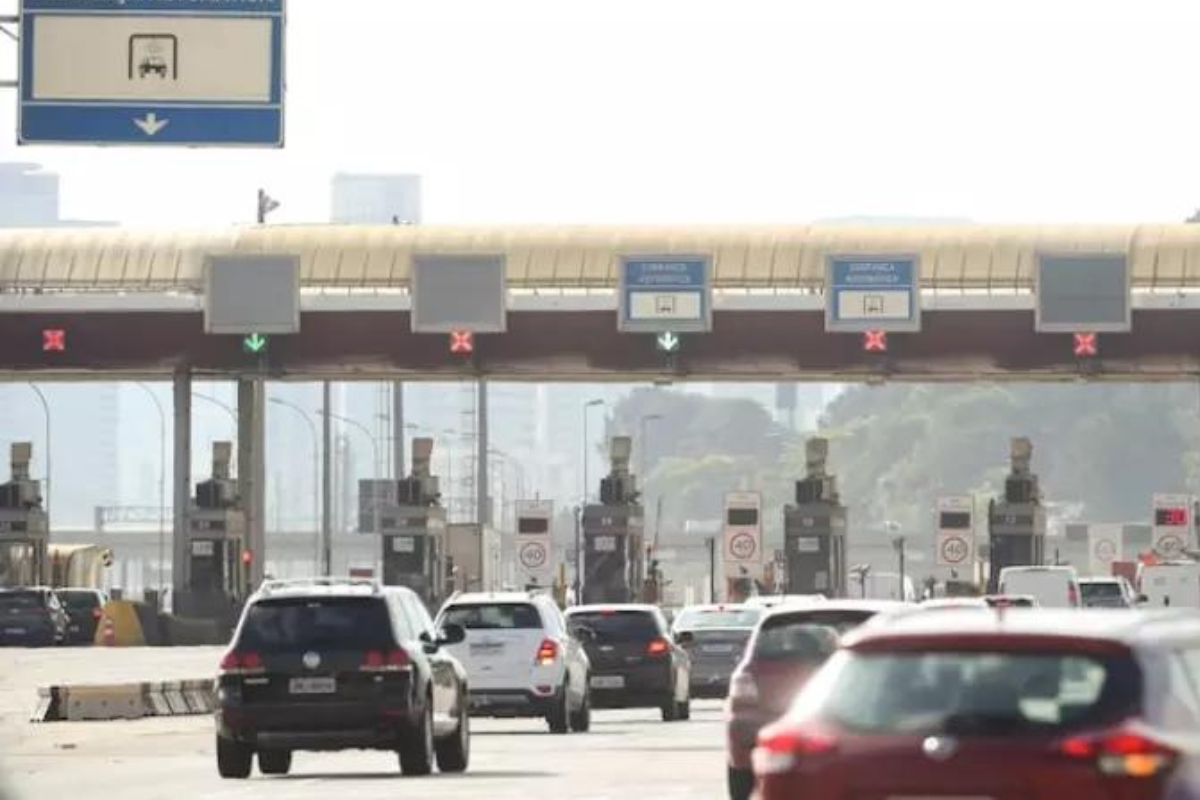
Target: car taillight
658,647
1122,752
547,652
780,747
97,613
238,663
394,660
743,690
1072,595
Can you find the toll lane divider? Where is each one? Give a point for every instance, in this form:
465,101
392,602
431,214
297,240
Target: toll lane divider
125,701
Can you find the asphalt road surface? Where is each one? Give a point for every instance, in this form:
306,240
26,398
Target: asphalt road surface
627,753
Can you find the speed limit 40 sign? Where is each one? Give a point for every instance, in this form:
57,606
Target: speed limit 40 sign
953,550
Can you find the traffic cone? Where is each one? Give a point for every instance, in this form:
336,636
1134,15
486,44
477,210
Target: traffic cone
110,632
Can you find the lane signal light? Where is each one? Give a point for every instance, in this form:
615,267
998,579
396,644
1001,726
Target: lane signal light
668,342
462,342
1086,344
875,341
255,344
247,556
54,340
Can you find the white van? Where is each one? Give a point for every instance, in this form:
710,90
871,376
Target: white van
1172,583
1053,587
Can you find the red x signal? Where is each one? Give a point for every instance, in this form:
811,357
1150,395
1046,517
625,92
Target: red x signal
54,340
1086,345
875,341
462,342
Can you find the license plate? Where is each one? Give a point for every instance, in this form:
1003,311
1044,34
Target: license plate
607,682
487,649
717,648
15,631
312,685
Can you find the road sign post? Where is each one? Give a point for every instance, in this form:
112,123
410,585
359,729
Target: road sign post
878,293
665,294
152,72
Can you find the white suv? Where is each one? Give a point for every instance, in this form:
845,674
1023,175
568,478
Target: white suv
520,658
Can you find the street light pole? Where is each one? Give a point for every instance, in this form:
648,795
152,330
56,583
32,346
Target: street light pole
46,415
324,545
162,492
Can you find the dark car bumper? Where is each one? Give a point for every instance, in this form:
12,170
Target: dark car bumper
81,633
647,686
28,637
510,703
333,725
711,680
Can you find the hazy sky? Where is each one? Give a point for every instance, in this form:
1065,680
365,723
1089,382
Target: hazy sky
703,111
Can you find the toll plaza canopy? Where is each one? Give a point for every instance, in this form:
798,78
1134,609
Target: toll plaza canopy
783,258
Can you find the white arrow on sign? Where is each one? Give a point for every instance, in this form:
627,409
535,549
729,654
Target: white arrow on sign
668,342
151,124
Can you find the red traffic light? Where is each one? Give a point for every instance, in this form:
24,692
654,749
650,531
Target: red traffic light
1086,344
462,342
875,341
247,556
54,340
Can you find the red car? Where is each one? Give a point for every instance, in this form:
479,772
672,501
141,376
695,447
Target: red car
788,645
1028,704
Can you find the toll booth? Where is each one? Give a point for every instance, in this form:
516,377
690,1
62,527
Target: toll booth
24,526
218,568
411,525
815,530
613,547
1016,522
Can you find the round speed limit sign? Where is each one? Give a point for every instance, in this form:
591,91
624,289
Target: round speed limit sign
743,547
1105,550
955,549
533,555
1170,546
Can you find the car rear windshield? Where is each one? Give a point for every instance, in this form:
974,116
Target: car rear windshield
494,616
326,623
974,693
619,626
694,619
792,639
841,620
79,601
1105,590
21,601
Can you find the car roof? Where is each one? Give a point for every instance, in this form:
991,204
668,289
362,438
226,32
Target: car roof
872,606
1101,579
593,608
1114,626
1039,568
484,598
274,588
721,607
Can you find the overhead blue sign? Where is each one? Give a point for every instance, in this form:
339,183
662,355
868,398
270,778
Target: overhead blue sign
872,293
152,72
665,294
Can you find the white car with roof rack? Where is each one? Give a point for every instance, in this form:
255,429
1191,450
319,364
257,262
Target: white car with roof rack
521,658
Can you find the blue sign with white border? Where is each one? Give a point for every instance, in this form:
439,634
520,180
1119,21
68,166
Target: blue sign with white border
152,72
873,293
661,294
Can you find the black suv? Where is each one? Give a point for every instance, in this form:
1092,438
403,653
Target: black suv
635,662
31,617
337,664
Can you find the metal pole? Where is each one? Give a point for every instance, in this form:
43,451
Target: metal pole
46,417
398,428
712,569
482,495
586,485
182,476
578,556
365,431
326,479
162,490
900,548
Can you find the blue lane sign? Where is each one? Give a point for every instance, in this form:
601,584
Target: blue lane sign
872,293
665,293
152,72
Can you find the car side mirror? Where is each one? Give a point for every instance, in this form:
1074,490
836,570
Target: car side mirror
684,637
452,633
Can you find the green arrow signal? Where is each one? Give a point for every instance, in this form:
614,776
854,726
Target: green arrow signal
254,343
668,342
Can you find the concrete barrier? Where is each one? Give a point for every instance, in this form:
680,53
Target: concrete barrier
125,701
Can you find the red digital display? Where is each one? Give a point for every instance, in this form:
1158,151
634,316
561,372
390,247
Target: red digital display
1175,516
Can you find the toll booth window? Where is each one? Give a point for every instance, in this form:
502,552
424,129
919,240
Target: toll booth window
741,516
528,525
618,626
701,618
280,626
494,616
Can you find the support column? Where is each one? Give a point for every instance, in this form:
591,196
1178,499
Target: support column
252,470
182,478
398,434
326,479
482,501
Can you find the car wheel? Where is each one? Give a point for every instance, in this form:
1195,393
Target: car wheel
559,717
416,753
581,718
741,783
454,752
274,762
234,759
670,709
683,710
